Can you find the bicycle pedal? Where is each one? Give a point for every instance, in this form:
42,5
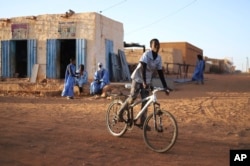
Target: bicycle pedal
139,125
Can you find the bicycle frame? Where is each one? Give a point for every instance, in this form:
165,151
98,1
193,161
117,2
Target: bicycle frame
150,99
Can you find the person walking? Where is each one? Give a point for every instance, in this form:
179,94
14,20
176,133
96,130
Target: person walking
198,74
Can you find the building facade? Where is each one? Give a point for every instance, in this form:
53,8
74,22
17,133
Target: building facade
49,41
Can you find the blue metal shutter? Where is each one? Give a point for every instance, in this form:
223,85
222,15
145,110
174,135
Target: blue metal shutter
32,56
12,57
8,58
108,53
81,51
52,57
5,58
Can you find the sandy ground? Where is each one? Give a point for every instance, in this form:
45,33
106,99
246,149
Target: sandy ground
47,131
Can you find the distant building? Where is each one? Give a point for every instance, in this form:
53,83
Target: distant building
220,65
50,40
189,52
173,54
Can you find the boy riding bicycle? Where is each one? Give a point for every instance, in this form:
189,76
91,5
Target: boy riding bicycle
142,76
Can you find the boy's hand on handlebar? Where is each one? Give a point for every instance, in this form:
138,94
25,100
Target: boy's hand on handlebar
167,90
144,85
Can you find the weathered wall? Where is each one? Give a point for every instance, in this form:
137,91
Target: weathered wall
133,55
171,55
106,28
189,52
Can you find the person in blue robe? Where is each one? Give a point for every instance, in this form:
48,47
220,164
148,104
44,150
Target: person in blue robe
199,70
69,81
101,79
81,78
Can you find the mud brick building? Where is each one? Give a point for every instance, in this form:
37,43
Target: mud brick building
174,56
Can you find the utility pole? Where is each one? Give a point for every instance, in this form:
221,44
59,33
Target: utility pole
247,66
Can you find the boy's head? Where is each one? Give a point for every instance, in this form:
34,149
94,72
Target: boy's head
155,45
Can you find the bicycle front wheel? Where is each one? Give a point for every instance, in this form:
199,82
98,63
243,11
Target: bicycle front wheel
160,134
115,127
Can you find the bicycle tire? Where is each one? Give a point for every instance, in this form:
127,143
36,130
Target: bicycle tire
160,140
115,127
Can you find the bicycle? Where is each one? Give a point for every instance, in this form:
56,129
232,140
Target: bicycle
160,128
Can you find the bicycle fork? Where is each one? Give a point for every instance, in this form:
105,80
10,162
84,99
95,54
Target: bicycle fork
157,111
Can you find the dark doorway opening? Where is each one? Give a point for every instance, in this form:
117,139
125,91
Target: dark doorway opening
67,51
21,59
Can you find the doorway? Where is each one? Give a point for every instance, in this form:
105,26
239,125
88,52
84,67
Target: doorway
59,52
18,57
67,51
21,59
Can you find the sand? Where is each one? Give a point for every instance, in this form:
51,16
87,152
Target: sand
212,119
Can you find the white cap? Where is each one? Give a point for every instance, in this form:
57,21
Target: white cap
99,64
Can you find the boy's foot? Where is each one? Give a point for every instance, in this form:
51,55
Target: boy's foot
148,128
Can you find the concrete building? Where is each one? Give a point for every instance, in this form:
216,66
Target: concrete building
42,45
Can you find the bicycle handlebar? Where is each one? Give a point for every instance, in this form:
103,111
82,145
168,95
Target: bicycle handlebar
153,89
166,90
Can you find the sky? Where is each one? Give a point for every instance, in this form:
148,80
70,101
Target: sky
221,28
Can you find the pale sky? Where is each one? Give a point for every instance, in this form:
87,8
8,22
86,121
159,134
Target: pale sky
221,28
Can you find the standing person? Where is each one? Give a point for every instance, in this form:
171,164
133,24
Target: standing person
204,66
69,81
142,77
101,79
81,78
199,69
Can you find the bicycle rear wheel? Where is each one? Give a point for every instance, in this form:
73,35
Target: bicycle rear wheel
162,136
115,127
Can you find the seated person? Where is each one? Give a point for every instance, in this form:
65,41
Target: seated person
101,79
81,77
